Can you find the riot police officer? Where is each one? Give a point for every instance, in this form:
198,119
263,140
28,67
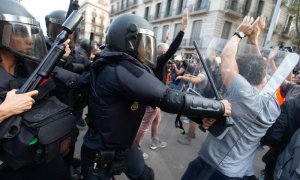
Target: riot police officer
122,84
22,46
53,23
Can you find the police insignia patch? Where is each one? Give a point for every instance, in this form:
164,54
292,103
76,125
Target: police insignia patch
134,106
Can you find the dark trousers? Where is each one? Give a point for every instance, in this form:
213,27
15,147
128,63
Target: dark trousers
56,169
199,169
136,167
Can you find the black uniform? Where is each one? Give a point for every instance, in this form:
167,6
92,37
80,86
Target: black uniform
120,89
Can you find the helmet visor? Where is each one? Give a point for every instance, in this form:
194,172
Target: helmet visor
24,40
147,49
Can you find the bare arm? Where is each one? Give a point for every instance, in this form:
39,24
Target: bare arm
193,79
16,103
229,67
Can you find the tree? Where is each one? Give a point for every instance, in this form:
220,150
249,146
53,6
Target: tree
294,10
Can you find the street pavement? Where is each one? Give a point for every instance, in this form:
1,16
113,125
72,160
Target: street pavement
171,162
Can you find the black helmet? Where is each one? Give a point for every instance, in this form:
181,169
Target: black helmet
133,35
85,44
54,21
20,33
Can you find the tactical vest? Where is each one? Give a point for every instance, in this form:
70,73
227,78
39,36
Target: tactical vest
110,114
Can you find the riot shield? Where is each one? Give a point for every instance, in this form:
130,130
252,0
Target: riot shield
249,81
253,112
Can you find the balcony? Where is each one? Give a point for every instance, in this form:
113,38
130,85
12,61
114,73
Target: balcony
197,8
233,9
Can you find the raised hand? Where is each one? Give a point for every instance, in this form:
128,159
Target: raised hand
185,19
67,48
257,28
247,25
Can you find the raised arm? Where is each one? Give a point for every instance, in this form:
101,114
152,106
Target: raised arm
229,67
193,79
163,59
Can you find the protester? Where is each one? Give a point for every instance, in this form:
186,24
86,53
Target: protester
153,115
279,135
253,113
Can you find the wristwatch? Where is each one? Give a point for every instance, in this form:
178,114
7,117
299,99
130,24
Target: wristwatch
241,35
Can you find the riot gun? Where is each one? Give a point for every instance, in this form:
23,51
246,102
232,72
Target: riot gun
10,127
219,127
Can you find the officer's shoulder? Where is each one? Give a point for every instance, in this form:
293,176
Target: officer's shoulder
125,66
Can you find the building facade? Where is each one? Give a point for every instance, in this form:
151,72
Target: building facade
208,18
95,20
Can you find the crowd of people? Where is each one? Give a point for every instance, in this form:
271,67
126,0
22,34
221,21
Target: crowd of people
125,85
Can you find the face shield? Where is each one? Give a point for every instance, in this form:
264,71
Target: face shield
54,27
25,40
146,50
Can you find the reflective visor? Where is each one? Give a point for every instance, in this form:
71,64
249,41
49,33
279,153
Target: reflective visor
23,39
147,48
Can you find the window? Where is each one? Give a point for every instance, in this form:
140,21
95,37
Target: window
165,35
179,7
196,30
112,10
93,20
201,4
122,4
168,8
157,10
177,29
260,8
127,3
226,30
233,5
288,25
247,7
155,30
118,6
146,15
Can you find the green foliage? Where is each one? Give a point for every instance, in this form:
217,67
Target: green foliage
294,10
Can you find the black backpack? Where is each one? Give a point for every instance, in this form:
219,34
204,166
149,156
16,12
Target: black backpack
46,131
40,134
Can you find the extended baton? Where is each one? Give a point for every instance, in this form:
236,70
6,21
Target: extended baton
220,125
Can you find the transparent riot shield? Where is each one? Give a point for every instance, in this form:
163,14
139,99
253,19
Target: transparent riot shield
249,80
254,110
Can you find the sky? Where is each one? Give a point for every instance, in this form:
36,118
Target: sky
40,8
